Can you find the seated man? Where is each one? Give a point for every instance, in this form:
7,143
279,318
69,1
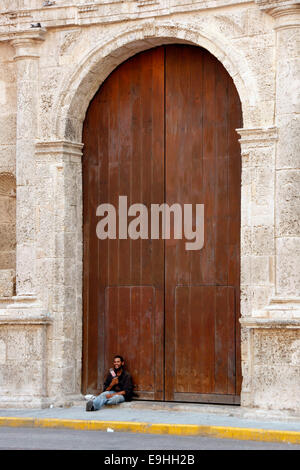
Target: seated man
117,387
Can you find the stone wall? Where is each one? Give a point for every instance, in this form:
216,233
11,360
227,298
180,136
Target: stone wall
48,76
7,172
7,222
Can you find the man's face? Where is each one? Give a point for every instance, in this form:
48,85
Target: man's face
118,363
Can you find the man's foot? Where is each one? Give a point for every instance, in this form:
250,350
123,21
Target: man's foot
90,406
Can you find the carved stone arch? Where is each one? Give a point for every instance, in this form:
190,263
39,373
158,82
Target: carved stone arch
78,88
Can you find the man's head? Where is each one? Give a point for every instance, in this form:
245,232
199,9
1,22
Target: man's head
118,362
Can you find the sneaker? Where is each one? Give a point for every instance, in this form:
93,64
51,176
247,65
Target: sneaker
89,397
89,406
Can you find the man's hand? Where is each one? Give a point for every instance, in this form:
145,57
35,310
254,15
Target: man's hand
114,381
109,395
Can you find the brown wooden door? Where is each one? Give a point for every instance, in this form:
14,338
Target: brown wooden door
162,129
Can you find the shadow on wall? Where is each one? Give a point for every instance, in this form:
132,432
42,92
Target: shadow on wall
7,234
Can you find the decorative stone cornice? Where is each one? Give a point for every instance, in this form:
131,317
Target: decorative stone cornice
23,310
257,135
32,35
17,319
281,312
25,42
270,323
87,8
270,4
59,147
286,13
74,13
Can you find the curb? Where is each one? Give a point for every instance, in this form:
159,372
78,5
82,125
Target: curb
263,435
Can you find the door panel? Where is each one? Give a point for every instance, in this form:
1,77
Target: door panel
162,129
123,156
129,327
204,318
202,166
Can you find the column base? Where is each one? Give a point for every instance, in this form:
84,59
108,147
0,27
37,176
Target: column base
23,309
279,308
23,353
271,362
35,402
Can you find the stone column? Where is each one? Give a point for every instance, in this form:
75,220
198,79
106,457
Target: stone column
258,150
26,45
24,318
287,26
287,165
59,245
271,323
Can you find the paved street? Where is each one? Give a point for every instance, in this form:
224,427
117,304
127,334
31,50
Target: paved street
68,439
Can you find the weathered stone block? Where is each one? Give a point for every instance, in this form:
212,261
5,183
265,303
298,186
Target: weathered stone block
6,282
287,265
288,203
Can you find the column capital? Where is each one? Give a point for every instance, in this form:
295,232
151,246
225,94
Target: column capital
257,135
25,42
285,12
64,148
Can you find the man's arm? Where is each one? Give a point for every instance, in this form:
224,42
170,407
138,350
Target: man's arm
114,381
109,383
127,388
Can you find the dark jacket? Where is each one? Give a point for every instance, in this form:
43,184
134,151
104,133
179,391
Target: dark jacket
125,384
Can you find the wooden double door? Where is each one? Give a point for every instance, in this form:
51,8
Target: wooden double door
161,129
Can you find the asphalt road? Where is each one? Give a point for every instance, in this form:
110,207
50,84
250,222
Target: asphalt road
69,439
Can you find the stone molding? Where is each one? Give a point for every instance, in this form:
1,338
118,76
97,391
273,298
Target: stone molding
25,320
286,13
23,310
25,44
280,310
30,34
59,147
270,323
252,138
269,5
257,135
58,16
87,8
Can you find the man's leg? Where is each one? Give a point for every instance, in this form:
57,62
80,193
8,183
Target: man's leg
116,399
98,402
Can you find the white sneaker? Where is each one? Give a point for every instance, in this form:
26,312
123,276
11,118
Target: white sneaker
89,397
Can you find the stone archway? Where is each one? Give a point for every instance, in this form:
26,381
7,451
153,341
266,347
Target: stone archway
78,89
76,92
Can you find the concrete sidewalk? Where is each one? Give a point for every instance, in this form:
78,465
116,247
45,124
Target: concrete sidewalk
223,421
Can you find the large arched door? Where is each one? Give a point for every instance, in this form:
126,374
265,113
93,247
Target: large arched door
161,129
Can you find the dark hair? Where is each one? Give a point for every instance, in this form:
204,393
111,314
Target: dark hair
120,357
